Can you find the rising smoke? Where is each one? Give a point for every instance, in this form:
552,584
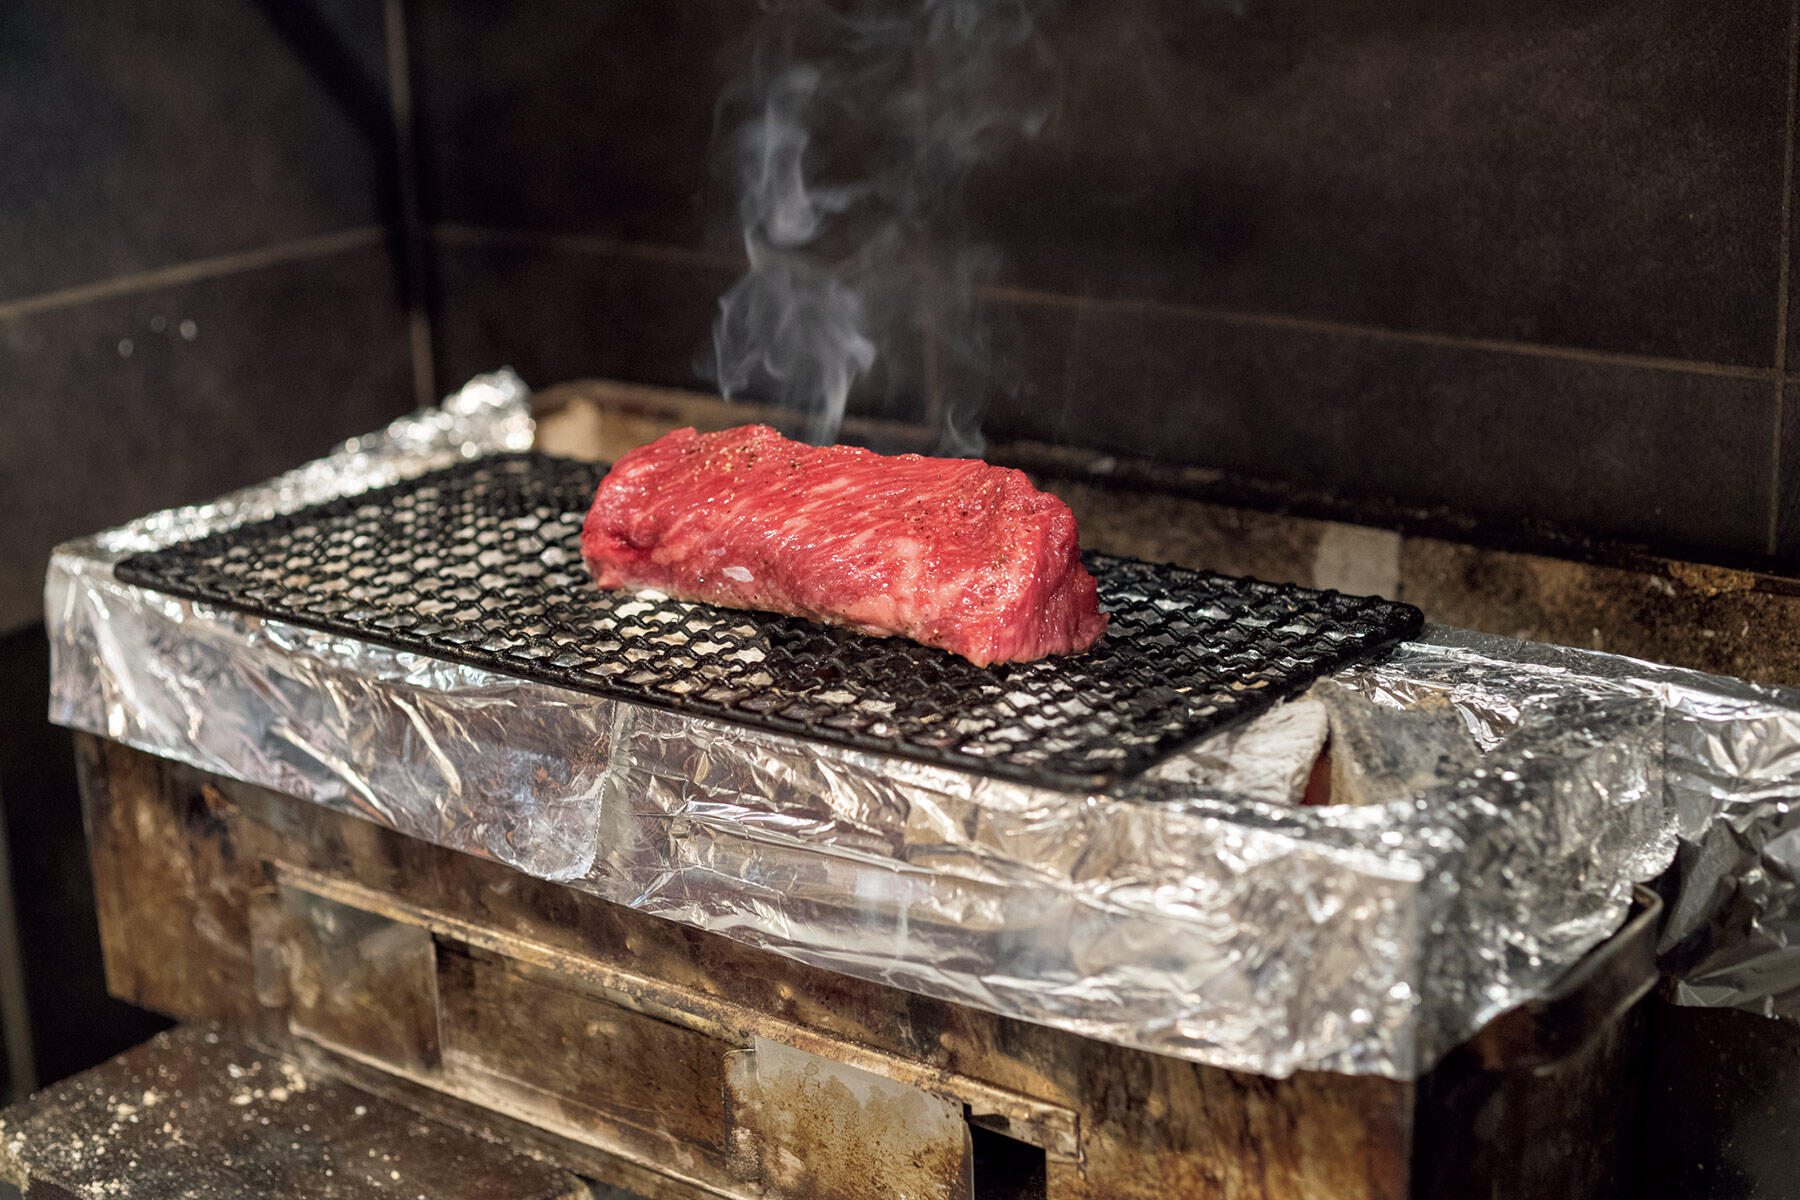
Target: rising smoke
852,136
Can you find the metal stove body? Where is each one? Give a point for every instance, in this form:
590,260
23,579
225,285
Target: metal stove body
692,962
674,1062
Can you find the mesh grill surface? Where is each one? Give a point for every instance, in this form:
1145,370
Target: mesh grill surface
481,563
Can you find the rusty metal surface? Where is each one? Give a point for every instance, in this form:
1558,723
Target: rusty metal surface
1114,1123
171,889
811,1128
576,1061
730,1016
629,1038
197,1113
347,977
610,1176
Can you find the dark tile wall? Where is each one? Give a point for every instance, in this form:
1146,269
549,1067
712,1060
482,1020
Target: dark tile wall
172,395
1412,253
196,284
1522,262
575,117
146,135
198,288
1606,446
578,189
571,182
1527,170
560,308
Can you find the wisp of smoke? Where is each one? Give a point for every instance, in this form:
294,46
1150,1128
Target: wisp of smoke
839,272
790,331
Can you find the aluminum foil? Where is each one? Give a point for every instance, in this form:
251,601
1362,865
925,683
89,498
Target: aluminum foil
1506,797
1732,770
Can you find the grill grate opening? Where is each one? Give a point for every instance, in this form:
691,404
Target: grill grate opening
481,563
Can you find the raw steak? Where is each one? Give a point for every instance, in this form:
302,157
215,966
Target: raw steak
951,552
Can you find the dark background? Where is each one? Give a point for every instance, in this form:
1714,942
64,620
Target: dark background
1524,264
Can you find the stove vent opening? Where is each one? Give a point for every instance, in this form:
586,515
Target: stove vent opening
1004,1168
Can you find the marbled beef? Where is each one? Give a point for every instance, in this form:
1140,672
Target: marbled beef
947,551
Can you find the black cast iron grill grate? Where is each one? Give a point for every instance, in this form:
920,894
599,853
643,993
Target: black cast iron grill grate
481,563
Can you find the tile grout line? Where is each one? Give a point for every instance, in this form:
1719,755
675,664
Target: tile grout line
280,254
412,234
1783,282
481,235
1376,332
484,235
